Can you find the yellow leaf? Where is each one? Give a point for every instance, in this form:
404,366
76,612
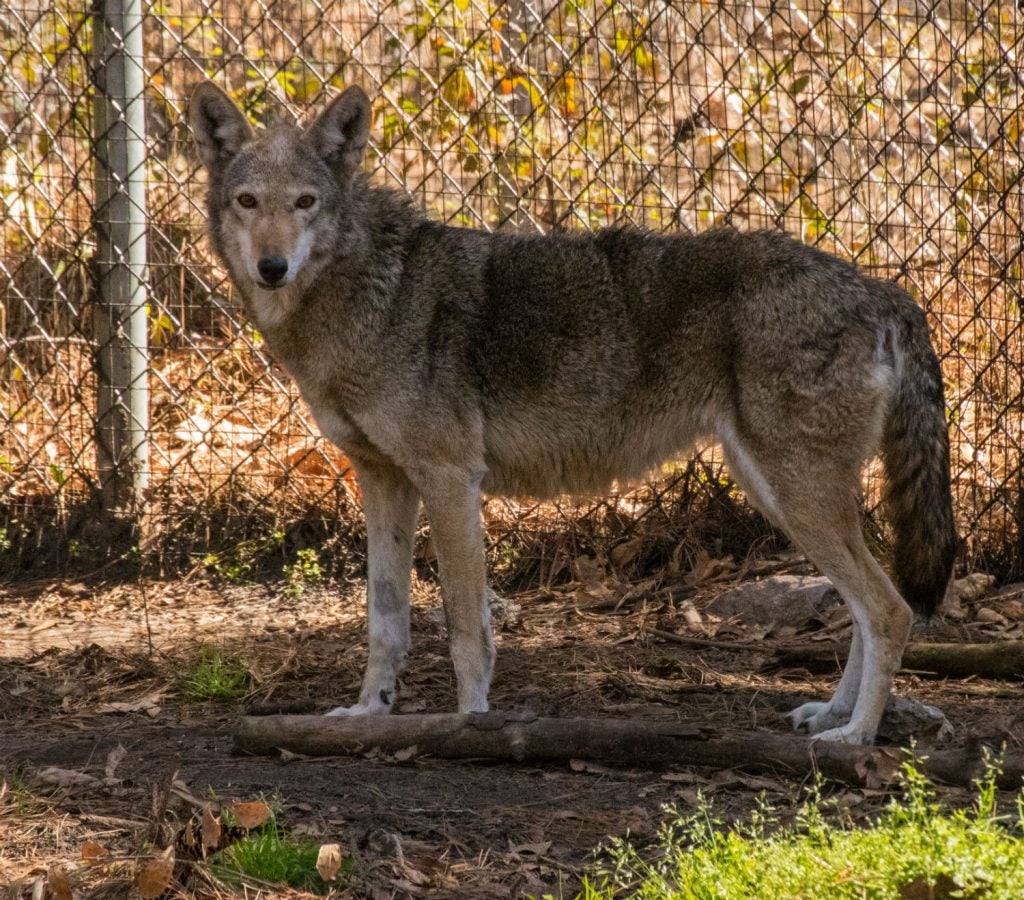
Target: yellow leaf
211,830
457,89
155,875
58,886
328,861
645,59
161,328
93,854
250,814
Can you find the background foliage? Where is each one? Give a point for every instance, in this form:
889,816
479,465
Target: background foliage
887,133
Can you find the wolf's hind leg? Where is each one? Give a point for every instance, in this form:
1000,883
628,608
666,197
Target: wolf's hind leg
452,501
391,504
829,533
812,498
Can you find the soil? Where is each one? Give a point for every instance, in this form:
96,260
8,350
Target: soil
86,668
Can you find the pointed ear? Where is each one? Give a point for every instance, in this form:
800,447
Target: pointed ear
218,126
342,130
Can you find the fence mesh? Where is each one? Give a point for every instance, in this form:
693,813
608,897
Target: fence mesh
888,133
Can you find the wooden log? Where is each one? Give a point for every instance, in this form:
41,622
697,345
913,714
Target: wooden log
996,659
633,742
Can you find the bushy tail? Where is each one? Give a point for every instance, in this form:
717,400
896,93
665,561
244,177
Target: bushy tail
915,450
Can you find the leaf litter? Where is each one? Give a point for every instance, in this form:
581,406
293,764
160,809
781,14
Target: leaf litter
99,725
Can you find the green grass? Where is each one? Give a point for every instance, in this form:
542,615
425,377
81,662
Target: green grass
915,842
215,677
304,572
269,856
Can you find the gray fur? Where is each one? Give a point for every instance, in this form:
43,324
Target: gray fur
447,361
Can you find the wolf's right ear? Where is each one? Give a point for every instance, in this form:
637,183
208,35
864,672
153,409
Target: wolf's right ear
218,126
342,130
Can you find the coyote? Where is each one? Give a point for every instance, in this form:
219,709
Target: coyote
447,362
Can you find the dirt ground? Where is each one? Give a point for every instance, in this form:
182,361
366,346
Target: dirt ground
88,667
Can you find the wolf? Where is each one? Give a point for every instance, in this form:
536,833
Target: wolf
446,362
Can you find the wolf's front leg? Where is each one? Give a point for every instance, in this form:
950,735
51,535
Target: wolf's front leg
391,504
452,501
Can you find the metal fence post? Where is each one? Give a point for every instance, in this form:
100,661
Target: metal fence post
120,222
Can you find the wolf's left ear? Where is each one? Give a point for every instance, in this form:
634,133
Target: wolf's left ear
218,126
341,131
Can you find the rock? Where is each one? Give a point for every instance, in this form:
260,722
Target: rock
988,616
972,587
780,600
383,844
964,590
693,619
1012,609
505,613
904,719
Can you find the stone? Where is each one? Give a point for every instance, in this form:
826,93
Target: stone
780,600
905,719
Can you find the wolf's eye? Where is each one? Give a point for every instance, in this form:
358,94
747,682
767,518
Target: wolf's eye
247,201
305,201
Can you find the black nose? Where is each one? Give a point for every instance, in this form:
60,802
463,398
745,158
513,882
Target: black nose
272,269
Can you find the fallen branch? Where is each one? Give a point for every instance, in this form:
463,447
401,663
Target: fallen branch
634,742
713,643
997,659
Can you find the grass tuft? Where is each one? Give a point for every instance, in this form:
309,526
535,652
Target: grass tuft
215,677
269,856
915,848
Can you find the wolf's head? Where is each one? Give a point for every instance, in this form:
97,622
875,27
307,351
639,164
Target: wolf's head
276,197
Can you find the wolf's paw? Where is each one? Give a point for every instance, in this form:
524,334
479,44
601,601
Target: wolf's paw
846,735
815,718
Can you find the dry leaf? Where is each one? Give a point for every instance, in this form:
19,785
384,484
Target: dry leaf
250,814
93,854
624,554
65,778
114,758
592,768
155,875
328,861
683,778
58,887
537,849
406,753
414,876
145,703
211,830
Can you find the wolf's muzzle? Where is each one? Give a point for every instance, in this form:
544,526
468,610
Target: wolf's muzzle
272,269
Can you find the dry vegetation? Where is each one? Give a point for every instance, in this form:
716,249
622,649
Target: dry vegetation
885,133
115,746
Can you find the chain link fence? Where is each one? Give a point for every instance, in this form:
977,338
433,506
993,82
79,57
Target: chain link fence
889,133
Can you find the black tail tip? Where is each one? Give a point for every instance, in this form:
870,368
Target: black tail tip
925,599
924,588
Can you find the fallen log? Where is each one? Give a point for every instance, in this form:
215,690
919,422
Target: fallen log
996,659
519,737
